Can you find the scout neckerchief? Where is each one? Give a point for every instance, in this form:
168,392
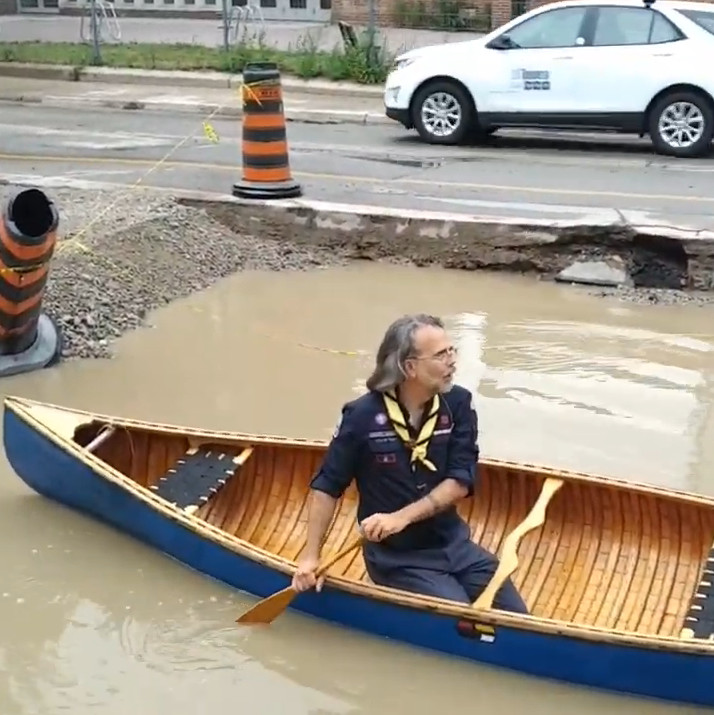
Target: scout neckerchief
421,443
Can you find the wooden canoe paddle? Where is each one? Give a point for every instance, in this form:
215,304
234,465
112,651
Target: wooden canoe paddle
267,610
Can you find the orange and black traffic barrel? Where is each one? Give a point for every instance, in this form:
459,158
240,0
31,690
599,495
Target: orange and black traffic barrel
266,162
28,233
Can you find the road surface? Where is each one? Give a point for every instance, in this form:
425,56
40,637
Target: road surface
517,176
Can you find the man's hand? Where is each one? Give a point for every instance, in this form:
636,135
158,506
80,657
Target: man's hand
304,578
380,526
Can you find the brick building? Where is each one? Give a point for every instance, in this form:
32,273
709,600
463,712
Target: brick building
474,15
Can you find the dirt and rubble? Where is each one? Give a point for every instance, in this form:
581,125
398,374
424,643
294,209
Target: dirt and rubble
655,268
120,257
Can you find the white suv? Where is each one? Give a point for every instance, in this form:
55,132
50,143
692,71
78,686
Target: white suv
621,65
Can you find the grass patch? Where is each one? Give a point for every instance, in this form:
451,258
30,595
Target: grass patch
365,62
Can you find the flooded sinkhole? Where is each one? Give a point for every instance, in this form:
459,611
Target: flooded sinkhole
95,622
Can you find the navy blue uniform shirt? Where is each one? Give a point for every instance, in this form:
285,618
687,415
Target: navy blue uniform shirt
366,447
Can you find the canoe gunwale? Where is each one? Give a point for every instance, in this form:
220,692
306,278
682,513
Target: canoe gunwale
22,407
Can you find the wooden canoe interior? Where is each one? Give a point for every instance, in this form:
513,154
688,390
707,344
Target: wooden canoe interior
604,556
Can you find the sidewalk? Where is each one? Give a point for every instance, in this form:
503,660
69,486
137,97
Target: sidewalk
301,104
281,35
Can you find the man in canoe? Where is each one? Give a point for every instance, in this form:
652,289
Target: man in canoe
411,443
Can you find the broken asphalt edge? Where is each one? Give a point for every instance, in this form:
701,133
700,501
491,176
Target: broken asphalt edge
185,78
156,78
646,255
212,109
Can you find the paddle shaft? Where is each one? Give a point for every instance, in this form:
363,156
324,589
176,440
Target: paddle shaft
270,608
334,559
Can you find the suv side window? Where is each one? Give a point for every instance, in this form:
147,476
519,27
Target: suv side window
553,28
632,26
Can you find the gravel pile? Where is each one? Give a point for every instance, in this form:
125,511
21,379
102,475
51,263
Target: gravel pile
143,251
656,296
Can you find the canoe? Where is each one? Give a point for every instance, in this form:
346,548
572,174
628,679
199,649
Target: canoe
616,574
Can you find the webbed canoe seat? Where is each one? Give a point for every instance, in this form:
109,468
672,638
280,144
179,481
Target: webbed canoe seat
199,475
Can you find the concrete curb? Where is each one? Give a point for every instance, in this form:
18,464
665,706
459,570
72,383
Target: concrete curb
306,116
649,255
219,80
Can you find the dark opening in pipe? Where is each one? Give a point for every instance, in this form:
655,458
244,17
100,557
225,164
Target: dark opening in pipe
32,213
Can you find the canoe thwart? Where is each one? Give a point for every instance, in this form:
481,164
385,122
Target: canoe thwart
699,621
104,434
508,562
198,475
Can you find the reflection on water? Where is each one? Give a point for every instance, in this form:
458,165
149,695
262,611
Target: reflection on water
94,622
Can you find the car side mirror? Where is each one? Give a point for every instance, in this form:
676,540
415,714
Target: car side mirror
502,42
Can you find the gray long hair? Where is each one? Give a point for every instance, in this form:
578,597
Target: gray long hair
397,345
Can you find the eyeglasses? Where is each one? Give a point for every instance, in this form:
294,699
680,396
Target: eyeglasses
441,356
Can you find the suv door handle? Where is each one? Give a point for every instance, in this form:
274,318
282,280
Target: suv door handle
564,57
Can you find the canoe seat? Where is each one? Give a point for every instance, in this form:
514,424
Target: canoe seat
198,475
699,621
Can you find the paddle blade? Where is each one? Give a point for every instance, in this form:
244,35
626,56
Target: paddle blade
267,610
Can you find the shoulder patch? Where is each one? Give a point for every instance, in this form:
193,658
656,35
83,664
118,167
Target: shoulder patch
337,426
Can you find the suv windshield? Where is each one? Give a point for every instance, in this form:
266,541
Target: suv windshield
704,19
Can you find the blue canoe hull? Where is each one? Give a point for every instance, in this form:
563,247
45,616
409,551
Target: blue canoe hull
59,475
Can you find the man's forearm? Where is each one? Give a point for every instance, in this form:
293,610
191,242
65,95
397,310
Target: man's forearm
441,497
322,507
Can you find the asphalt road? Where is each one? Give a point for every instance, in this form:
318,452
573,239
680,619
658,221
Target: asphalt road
515,176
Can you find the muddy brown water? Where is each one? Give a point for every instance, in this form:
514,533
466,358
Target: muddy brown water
92,621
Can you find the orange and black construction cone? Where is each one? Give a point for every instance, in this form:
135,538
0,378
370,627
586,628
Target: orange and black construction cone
266,165
28,233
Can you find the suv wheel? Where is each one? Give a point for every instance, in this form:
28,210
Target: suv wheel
442,113
681,124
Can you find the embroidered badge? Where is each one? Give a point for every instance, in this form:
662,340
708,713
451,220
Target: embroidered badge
380,418
337,428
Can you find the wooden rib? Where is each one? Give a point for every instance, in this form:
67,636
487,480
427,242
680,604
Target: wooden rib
276,501
672,613
645,570
297,502
705,573
529,544
536,545
295,538
664,572
493,523
240,519
519,509
624,571
505,523
478,512
630,596
267,471
297,494
573,506
551,540
610,556
227,506
156,459
548,544
509,559
699,569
